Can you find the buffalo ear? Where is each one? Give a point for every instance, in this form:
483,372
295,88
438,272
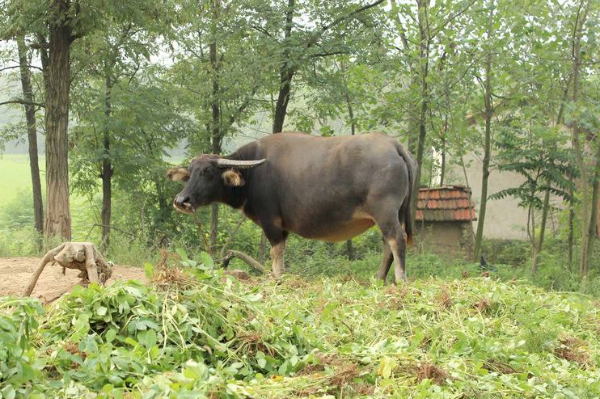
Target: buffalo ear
232,178
178,174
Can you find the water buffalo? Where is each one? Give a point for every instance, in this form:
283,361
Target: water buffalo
329,189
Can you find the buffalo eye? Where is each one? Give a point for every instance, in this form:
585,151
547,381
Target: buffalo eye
208,172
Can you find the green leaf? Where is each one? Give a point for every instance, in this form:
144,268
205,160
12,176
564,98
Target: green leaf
147,338
386,366
181,252
207,260
110,335
101,311
262,362
149,270
8,392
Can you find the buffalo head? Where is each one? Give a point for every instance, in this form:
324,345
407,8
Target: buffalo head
206,179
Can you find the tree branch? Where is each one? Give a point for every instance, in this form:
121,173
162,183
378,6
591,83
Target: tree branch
22,102
18,66
327,54
451,18
238,112
317,35
262,30
250,261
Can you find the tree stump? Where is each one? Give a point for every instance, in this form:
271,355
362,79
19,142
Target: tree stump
82,256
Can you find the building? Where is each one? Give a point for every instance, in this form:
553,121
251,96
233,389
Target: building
444,220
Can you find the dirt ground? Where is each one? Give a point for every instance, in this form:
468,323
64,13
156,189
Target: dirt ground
15,273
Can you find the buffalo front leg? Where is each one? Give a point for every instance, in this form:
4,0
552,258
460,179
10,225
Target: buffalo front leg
277,239
278,267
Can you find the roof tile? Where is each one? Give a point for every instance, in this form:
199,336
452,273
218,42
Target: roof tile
445,204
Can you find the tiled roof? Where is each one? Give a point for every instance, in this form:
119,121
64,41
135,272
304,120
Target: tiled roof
445,204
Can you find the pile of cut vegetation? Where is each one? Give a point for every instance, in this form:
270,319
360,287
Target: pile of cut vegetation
200,333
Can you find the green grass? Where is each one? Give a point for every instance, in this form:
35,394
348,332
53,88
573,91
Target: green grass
202,335
15,182
15,175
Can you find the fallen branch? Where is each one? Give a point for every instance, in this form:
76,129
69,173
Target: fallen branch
47,258
82,256
250,261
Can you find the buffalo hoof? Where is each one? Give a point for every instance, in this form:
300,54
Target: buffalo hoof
277,277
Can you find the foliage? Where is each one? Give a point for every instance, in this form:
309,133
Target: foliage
542,160
153,78
19,364
198,333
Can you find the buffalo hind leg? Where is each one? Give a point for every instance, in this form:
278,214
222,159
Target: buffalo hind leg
398,246
393,233
386,262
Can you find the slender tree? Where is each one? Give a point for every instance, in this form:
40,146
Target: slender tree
295,44
580,18
487,147
30,111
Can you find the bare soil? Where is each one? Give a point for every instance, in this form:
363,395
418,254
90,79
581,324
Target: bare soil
15,273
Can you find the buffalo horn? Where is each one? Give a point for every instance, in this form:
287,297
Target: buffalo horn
231,163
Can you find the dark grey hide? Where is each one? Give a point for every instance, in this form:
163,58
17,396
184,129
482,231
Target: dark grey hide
329,189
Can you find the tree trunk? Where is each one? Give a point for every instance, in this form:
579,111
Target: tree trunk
286,73
443,149
350,254
214,228
38,206
283,98
540,242
161,198
571,238
262,247
559,120
423,6
413,131
107,168
545,211
349,246
584,188
532,231
579,156
592,232
216,131
489,112
58,216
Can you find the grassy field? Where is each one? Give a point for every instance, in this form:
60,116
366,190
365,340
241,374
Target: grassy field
198,334
15,179
15,175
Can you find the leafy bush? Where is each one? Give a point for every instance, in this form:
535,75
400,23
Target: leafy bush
134,330
17,213
20,367
200,334
506,252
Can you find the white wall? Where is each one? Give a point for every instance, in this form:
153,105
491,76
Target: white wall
504,218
